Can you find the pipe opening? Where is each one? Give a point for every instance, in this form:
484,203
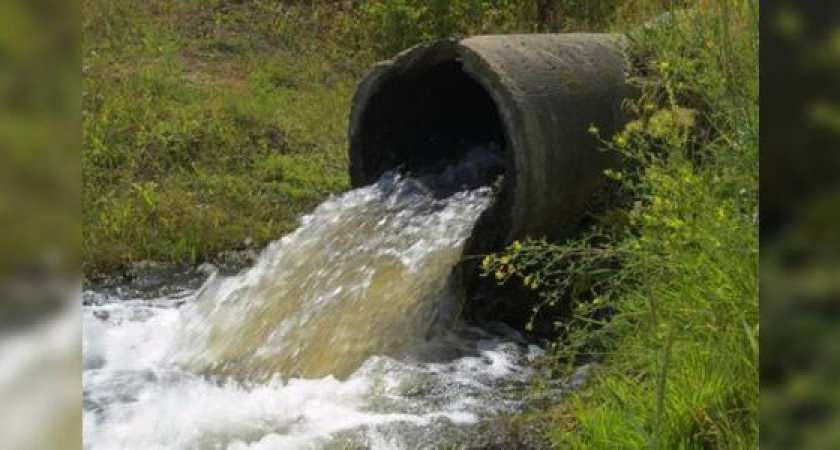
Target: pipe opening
427,114
529,100
427,119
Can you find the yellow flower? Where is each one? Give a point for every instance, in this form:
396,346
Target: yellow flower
610,173
504,260
620,141
485,263
516,246
635,126
499,274
649,106
527,280
664,66
593,129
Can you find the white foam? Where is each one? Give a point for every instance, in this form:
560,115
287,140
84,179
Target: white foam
352,294
136,400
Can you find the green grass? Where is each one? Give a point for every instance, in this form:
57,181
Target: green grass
663,291
204,126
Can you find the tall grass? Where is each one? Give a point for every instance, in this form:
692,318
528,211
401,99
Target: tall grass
663,290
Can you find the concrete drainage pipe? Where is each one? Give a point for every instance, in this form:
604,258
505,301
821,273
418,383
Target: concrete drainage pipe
534,95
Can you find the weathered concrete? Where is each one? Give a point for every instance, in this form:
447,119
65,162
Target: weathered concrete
547,90
535,95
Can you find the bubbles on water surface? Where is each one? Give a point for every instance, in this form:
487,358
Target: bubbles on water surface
135,398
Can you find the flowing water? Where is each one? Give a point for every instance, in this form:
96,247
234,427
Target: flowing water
344,334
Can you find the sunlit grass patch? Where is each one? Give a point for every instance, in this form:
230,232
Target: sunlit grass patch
201,132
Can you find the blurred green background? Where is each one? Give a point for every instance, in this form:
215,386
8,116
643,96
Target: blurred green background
800,225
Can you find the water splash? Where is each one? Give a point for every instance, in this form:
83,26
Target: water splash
135,399
364,274
340,336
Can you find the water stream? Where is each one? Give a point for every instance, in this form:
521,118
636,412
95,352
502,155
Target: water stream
344,334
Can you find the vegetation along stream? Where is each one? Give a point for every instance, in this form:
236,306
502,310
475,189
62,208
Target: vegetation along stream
211,127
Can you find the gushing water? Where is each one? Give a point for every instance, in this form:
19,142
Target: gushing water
364,274
342,334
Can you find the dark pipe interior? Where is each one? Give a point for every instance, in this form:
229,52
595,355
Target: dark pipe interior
424,120
431,117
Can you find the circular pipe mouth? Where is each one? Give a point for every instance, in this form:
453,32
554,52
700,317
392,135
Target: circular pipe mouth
530,97
426,109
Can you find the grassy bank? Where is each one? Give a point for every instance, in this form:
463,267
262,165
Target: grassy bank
210,122
664,288
206,124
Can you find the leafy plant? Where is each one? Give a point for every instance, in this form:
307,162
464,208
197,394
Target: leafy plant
663,290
